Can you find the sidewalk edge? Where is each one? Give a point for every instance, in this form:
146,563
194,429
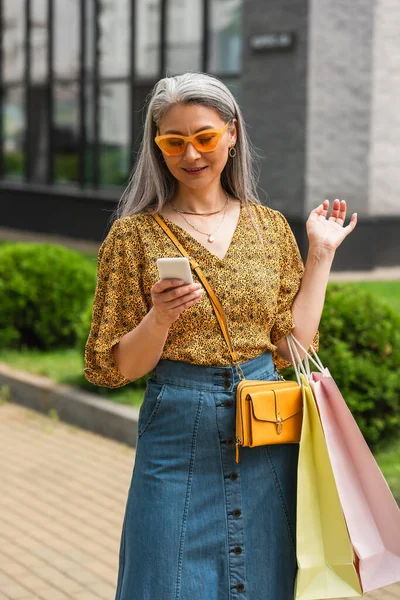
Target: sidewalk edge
76,407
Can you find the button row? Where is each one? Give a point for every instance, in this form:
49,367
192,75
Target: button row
233,476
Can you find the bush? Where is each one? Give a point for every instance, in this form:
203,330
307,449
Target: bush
82,332
13,163
43,290
360,344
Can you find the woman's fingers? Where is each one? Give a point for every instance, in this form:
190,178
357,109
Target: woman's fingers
179,292
165,284
338,213
185,299
170,297
351,225
322,209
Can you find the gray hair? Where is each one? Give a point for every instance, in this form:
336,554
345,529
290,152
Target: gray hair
151,183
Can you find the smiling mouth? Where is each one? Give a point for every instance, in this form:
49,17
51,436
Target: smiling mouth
196,170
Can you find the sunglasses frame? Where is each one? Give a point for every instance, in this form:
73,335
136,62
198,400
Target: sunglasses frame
191,138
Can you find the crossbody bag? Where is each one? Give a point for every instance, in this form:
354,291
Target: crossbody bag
267,412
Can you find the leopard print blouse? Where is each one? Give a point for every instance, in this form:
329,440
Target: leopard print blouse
256,282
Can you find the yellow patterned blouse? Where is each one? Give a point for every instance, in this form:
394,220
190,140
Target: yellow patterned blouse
255,284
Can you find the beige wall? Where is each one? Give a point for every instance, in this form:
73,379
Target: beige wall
384,174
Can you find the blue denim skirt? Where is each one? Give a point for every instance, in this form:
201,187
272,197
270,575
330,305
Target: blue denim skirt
198,525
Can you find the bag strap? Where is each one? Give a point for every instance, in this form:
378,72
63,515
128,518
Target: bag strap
219,311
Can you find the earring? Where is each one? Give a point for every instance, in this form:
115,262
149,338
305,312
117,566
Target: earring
232,152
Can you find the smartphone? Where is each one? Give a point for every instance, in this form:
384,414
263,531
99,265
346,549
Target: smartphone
175,268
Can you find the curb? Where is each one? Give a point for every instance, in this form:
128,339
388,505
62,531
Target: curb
86,410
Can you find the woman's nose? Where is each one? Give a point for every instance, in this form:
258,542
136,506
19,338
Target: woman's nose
190,152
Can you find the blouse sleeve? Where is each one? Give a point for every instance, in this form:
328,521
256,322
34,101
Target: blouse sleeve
119,303
291,272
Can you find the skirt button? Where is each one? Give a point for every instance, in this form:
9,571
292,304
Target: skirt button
240,587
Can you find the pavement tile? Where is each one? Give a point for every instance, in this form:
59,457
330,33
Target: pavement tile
13,569
51,593
83,576
28,560
105,573
5,580
103,590
84,596
32,582
14,591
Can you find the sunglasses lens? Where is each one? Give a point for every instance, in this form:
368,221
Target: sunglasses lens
207,142
172,145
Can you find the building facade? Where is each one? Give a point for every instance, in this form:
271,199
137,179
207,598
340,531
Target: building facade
317,82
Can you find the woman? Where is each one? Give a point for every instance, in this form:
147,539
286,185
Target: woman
198,525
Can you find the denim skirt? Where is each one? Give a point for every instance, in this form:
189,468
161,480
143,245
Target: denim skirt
198,525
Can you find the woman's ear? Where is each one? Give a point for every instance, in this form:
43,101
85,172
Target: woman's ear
233,132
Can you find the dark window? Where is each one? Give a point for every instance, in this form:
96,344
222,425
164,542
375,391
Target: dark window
74,77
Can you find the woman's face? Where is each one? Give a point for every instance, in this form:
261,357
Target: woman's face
187,120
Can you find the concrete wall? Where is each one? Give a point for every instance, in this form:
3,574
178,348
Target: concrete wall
384,180
339,102
274,100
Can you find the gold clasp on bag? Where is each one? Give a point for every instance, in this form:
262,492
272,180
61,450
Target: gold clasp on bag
279,426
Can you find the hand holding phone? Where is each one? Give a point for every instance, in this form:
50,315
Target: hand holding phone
169,295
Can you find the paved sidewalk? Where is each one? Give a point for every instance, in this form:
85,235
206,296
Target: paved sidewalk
62,498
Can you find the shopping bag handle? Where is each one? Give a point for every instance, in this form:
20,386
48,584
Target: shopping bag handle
302,366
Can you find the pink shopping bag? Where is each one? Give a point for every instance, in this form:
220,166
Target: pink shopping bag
371,513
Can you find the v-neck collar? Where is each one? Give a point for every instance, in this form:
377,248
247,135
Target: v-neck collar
173,225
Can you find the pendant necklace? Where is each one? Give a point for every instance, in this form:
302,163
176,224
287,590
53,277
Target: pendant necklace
210,236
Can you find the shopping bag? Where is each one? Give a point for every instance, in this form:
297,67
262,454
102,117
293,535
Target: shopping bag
371,512
324,552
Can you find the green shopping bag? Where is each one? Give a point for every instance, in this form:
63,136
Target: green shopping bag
325,555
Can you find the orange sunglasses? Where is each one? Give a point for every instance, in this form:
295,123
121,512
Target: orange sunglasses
204,141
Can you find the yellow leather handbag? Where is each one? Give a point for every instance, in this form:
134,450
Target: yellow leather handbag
267,412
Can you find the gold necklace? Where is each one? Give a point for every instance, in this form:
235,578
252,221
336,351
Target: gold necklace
210,236
200,214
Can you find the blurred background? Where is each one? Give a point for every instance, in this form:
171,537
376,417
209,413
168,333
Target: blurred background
318,83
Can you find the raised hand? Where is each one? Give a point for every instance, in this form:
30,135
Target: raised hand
329,232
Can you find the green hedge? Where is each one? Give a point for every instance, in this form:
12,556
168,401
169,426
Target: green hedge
43,291
360,345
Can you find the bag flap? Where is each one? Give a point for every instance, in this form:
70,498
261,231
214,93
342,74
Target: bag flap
284,402
250,386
